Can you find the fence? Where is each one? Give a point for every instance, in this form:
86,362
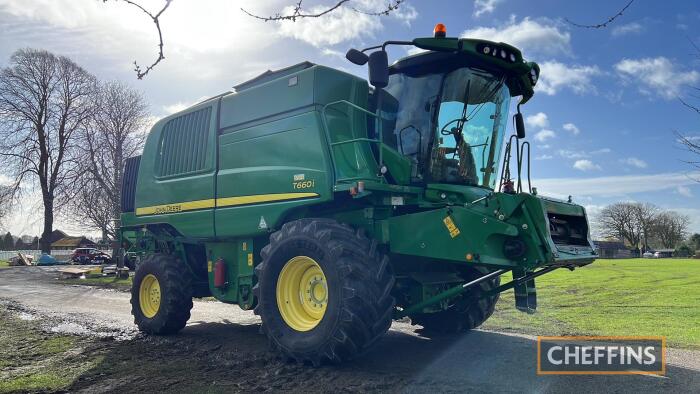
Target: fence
60,255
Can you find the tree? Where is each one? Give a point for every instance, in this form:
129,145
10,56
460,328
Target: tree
297,12
44,100
19,245
629,222
670,228
8,242
695,241
116,131
35,242
646,218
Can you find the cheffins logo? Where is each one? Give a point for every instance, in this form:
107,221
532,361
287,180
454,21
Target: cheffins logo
601,355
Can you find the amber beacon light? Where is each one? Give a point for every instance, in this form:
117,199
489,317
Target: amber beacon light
440,31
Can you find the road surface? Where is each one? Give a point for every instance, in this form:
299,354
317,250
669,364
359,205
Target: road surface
221,350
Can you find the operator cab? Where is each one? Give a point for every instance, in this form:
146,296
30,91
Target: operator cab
446,117
445,110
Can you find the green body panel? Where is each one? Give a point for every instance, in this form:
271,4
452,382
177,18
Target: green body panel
296,144
238,258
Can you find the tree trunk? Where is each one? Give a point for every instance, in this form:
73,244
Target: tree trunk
48,226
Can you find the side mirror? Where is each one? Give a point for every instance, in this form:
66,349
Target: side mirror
357,57
519,125
379,69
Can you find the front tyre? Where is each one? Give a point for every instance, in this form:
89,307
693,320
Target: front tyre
323,291
161,295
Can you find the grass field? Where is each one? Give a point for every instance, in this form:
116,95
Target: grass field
4,264
613,297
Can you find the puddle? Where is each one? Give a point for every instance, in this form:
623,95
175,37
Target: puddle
26,316
70,328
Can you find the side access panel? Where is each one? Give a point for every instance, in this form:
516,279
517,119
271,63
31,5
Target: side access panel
176,173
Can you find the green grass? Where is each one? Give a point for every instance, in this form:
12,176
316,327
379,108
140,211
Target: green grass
34,360
34,382
613,297
4,264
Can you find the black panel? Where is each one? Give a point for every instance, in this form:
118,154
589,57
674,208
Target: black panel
131,172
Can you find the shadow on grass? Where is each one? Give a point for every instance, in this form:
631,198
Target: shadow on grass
224,357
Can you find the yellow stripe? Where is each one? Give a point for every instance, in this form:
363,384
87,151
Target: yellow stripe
230,201
176,207
221,202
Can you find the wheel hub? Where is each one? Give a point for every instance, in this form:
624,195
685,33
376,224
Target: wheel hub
302,293
149,296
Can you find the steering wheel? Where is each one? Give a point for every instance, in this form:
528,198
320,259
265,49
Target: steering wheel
448,132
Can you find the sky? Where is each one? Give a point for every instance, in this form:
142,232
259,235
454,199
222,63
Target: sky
602,122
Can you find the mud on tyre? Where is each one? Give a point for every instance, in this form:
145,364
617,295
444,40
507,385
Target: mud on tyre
344,283
161,295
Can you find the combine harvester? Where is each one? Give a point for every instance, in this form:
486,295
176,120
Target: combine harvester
331,207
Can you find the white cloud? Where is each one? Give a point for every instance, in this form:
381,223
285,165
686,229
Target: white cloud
570,127
602,150
181,105
684,191
544,157
485,6
571,154
532,37
544,135
538,120
341,25
656,76
586,165
634,162
614,186
555,76
629,28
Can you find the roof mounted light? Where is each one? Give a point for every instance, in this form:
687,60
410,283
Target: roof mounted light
440,31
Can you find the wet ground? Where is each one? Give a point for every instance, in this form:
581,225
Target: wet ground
221,350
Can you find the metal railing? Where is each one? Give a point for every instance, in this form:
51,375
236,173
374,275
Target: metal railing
368,141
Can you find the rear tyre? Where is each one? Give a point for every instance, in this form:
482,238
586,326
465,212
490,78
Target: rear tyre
467,312
323,291
161,295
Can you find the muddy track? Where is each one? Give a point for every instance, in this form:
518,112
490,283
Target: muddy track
221,350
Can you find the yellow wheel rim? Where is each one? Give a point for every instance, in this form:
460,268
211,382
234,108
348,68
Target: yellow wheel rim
149,296
302,293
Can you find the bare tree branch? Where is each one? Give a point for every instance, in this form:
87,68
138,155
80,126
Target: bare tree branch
140,73
392,6
115,132
297,13
604,24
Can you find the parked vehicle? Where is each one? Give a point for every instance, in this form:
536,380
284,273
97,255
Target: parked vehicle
90,256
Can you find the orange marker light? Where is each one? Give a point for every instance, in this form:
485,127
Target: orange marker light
440,31
469,257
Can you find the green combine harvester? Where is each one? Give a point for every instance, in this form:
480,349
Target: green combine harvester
331,205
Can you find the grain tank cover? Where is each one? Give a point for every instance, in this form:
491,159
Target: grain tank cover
270,75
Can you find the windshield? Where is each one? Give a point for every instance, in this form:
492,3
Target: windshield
450,125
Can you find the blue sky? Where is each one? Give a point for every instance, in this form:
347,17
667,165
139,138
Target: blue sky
601,123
